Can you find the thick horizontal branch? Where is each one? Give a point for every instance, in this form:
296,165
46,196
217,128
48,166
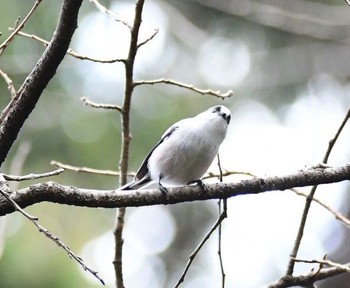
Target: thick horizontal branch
56,193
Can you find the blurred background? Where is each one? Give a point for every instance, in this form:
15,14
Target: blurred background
288,63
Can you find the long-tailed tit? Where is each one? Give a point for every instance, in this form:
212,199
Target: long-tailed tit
185,151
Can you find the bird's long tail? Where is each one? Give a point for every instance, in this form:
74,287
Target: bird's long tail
135,185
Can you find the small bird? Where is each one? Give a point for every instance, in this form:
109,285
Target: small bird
185,151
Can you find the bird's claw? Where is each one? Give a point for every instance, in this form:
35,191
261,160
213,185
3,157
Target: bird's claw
163,189
200,184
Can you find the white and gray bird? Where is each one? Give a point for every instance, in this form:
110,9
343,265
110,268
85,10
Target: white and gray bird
185,151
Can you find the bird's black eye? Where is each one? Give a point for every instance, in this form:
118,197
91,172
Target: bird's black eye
216,109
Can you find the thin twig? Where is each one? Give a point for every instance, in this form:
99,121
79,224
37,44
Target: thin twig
222,207
71,52
348,2
89,58
88,102
308,201
4,45
218,94
110,13
86,169
32,176
324,262
9,83
221,202
221,217
332,141
49,235
336,214
17,22
148,39
227,173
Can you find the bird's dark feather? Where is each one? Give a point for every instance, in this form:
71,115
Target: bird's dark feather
143,170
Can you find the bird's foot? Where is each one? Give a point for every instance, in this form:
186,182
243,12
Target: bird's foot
163,189
200,184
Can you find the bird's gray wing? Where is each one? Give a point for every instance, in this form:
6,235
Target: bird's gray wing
143,170
143,176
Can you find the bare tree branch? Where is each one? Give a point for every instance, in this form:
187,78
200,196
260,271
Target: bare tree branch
4,45
336,214
308,280
86,169
109,12
32,176
20,107
308,201
71,51
9,83
222,203
155,32
3,191
126,138
70,195
324,262
221,217
218,94
218,222
88,102
336,136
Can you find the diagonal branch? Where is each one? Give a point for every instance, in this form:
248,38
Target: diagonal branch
308,201
9,83
337,215
16,113
155,32
47,233
103,9
4,45
218,222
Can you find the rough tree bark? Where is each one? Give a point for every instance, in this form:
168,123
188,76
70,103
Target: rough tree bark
20,107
